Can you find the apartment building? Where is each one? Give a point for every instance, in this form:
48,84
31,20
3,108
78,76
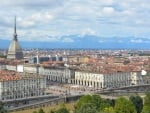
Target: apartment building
107,80
16,85
57,74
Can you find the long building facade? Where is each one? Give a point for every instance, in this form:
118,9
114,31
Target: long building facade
90,79
110,80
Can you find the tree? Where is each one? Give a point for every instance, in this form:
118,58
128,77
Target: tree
146,107
138,103
87,108
84,99
124,105
41,110
62,110
108,110
106,103
95,100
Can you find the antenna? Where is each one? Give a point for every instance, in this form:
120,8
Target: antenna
15,33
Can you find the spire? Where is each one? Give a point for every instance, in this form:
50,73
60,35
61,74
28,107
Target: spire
15,33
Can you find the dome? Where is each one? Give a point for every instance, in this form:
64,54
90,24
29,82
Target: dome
15,51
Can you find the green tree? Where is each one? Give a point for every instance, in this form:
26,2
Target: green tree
87,108
106,103
108,110
95,100
138,103
84,99
124,105
146,107
41,110
62,110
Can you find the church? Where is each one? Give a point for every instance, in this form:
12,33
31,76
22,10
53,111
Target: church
15,50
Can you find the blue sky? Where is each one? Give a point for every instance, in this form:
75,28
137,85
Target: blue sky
49,20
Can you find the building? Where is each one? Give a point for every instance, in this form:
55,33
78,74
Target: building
16,85
15,51
107,80
57,74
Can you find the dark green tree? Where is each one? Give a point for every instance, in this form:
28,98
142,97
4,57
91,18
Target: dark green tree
87,108
62,110
124,105
95,100
84,99
138,103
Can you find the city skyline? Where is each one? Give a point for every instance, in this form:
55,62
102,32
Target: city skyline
75,22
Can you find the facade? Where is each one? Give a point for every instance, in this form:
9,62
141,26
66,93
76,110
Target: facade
57,74
14,86
111,80
15,51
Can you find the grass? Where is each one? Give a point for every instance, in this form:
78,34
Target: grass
69,106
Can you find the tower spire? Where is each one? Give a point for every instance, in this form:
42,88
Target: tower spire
15,33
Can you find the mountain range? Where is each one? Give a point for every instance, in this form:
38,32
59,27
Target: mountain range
87,41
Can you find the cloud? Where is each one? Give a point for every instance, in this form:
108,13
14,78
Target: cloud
55,18
108,10
68,40
139,41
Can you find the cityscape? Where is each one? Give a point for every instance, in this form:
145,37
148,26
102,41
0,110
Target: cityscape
74,57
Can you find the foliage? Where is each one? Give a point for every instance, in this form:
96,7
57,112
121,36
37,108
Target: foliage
41,110
96,101
106,103
146,107
83,100
138,103
124,105
87,108
62,110
108,110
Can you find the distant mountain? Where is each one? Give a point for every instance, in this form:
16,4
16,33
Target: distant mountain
87,41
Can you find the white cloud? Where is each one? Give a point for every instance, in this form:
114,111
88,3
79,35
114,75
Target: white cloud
139,41
82,17
87,31
68,40
108,10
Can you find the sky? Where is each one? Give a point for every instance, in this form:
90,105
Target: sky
50,20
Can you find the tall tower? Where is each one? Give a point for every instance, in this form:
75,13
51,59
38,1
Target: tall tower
15,51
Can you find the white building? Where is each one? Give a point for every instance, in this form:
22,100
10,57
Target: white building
15,86
110,80
57,74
